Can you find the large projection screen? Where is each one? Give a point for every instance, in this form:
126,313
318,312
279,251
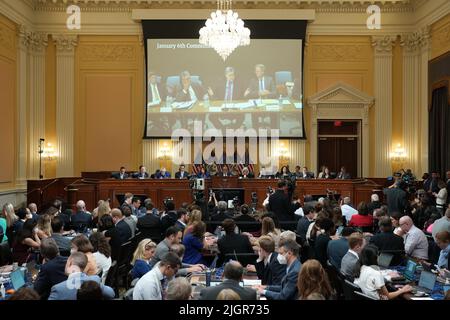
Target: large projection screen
188,85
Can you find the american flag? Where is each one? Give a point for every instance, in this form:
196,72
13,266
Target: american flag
249,166
196,168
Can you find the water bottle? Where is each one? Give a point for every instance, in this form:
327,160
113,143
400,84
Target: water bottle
2,289
206,101
280,101
208,277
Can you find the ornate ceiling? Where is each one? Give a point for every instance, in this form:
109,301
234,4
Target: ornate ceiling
318,5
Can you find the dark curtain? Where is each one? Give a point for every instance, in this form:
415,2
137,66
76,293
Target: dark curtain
439,132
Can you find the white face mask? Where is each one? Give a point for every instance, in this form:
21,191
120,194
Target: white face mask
281,259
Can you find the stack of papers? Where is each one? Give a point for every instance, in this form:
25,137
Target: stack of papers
249,283
166,109
183,105
298,105
273,107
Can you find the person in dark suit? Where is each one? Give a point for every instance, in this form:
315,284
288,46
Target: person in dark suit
203,173
169,216
308,218
182,219
189,91
269,270
386,240
181,173
121,175
81,219
225,172
163,174
305,174
232,273
150,225
228,89
396,198
322,240
262,86
155,91
142,174
232,242
287,290
279,203
222,213
338,248
244,215
343,174
118,235
52,270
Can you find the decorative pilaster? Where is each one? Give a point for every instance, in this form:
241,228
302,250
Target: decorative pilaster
65,87
412,87
425,53
298,152
22,85
37,46
383,101
150,154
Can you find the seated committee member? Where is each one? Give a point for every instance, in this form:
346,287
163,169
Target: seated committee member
305,174
121,175
142,174
163,174
182,173
188,91
225,172
343,174
324,173
228,89
287,255
246,174
262,86
67,290
203,173
155,91
284,173
269,270
232,274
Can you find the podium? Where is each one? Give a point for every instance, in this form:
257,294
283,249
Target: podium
224,182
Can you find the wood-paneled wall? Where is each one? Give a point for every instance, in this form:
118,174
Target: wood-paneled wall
8,98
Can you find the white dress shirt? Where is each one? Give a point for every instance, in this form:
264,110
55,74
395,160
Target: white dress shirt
149,286
348,212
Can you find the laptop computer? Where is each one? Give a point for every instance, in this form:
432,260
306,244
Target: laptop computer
410,270
17,279
426,282
384,260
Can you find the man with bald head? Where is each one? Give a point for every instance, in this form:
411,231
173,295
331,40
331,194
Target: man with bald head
232,275
82,219
416,243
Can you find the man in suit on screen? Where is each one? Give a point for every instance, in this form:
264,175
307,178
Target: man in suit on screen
228,88
155,92
262,86
189,91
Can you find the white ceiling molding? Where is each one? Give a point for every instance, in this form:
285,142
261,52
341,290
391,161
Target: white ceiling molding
257,14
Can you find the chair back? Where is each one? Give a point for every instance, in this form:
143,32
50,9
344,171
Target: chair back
349,289
5,254
249,226
288,225
243,258
173,81
361,296
281,77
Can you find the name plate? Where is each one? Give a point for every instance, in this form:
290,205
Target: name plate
273,107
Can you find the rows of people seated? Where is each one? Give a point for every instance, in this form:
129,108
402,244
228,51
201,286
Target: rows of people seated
227,170
310,249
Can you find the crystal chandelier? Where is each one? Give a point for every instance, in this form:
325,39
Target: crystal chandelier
224,31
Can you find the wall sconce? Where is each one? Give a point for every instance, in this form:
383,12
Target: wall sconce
49,152
398,154
283,152
165,152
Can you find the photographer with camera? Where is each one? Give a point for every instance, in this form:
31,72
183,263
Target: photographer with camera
222,212
279,203
169,216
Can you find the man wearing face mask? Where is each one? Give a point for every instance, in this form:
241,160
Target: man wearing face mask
153,284
269,270
287,255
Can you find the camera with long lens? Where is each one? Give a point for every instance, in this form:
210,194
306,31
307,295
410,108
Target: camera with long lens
269,190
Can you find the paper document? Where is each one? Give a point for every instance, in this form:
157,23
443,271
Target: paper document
298,105
421,298
286,102
270,101
245,105
215,109
273,107
166,109
183,105
248,282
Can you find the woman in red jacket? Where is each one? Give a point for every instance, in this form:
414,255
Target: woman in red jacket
362,219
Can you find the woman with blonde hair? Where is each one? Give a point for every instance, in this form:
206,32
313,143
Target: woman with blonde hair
102,209
313,280
44,226
141,258
194,217
228,294
9,215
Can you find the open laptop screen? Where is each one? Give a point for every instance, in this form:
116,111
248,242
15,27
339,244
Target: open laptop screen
427,280
17,279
